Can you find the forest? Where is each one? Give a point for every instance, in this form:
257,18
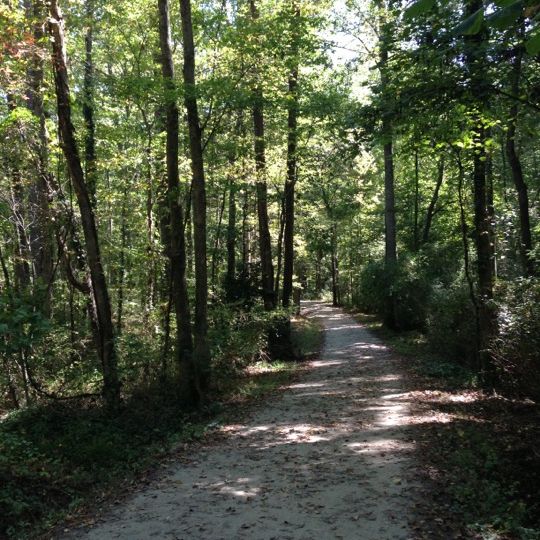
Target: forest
181,181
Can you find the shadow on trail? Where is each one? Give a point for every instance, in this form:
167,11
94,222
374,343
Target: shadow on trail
334,456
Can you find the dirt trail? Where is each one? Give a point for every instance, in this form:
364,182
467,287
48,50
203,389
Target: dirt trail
329,458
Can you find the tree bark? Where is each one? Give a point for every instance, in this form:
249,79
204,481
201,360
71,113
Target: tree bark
433,203
201,345
475,62
40,232
176,241
416,212
292,163
265,245
88,105
107,349
336,296
390,232
21,264
217,239
279,247
231,240
526,244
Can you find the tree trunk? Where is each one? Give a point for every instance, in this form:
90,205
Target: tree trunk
433,203
390,233
336,297
88,105
475,62
217,240
490,201
40,231
416,239
526,244
292,163
107,350
265,245
202,347
279,247
231,240
245,233
176,248
122,262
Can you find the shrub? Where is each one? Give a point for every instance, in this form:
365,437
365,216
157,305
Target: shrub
407,284
516,350
451,323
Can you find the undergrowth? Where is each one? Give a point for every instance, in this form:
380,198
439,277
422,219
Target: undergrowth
487,463
57,459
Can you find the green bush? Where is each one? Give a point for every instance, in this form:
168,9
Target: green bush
451,326
516,350
239,337
407,284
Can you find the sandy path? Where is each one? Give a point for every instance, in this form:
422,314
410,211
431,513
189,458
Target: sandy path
329,458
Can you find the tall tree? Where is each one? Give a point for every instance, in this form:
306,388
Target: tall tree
390,236
516,167
292,161
40,224
475,54
201,347
100,293
176,248
88,103
265,244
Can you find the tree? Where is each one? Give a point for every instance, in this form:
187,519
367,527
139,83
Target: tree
201,347
292,162
385,36
175,241
265,245
99,290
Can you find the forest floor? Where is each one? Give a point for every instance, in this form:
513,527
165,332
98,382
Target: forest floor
332,456
370,440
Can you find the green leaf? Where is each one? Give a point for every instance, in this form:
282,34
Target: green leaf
532,45
471,25
504,3
418,8
507,16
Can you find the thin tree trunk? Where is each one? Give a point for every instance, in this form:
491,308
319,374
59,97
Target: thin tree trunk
201,345
475,61
245,233
336,300
490,201
21,264
390,232
433,203
230,277
175,226
279,249
122,263
265,245
217,240
292,164
88,105
107,350
526,244
148,300
466,257
40,231
416,239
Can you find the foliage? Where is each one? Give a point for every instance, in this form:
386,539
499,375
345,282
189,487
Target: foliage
517,348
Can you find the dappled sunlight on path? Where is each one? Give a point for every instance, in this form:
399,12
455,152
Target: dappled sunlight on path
329,458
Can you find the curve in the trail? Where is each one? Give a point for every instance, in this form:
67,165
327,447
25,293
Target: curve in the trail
329,458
